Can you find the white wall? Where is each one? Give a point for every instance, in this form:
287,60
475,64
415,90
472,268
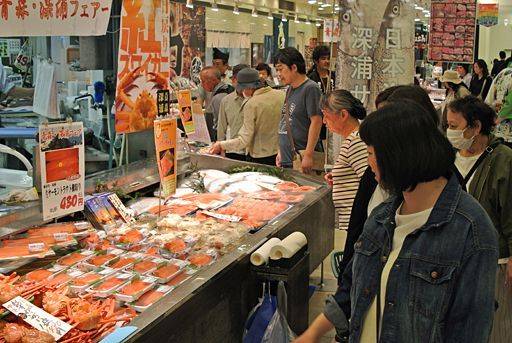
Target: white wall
497,38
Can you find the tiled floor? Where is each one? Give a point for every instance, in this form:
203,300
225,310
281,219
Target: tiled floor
316,303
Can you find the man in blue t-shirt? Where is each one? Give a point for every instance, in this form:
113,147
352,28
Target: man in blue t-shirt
303,104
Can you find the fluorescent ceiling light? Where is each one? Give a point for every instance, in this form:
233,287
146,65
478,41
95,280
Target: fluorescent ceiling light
214,7
311,2
283,18
296,19
235,10
270,16
254,12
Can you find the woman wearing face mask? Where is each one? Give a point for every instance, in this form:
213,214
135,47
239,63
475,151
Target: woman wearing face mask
484,165
424,266
455,89
342,112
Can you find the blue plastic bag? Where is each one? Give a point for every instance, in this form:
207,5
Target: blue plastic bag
259,318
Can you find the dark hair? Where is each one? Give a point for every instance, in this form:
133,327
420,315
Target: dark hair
483,65
290,56
341,99
321,51
264,66
409,149
417,95
473,109
239,67
464,66
384,95
503,54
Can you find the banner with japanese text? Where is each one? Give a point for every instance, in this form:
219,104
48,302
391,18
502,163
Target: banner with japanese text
331,30
376,47
186,113
143,63
488,14
54,17
62,164
165,144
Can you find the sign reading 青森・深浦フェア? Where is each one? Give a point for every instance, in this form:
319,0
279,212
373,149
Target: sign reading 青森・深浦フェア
61,147
54,17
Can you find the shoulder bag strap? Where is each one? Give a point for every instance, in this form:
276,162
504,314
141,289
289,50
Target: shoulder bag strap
287,120
482,90
482,157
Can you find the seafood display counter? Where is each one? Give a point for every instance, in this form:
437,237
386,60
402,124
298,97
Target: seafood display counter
212,302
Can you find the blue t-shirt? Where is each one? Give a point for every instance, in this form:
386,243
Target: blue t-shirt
303,103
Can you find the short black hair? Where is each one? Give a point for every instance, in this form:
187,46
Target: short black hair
264,66
409,148
465,66
290,56
384,95
321,51
503,54
473,109
417,95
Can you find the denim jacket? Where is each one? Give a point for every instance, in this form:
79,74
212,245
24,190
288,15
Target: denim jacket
440,288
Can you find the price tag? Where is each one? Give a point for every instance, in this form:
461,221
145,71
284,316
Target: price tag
36,247
121,209
164,289
60,236
62,168
37,317
225,217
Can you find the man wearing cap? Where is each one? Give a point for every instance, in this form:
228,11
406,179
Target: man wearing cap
230,116
211,82
261,113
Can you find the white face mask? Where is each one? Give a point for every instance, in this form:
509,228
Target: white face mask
459,142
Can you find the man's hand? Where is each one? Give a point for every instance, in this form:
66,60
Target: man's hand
508,274
328,179
278,159
216,149
307,163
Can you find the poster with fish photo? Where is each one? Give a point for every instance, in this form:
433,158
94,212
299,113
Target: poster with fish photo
452,31
187,40
185,108
376,47
165,144
143,63
62,168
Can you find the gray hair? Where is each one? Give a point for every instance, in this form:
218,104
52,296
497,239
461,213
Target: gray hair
341,99
211,73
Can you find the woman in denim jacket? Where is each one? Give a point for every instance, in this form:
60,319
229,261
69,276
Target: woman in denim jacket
424,267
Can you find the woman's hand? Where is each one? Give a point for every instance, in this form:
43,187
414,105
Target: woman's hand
328,179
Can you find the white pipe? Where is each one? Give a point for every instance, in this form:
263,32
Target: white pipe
5,149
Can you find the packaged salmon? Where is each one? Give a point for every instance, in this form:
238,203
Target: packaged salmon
110,284
81,283
64,277
150,297
126,261
100,260
60,230
132,291
74,258
168,271
202,258
208,201
148,265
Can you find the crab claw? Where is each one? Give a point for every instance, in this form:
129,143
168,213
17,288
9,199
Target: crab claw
129,78
160,80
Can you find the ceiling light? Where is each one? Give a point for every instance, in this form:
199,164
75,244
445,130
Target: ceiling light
254,13
308,22
214,7
311,2
505,22
270,16
326,5
318,24
190,4
235,10
284,19
296,19
416,19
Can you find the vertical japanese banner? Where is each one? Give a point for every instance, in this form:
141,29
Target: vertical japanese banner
488,14
61,148
165,144
185,108
187,40
143,64
376,47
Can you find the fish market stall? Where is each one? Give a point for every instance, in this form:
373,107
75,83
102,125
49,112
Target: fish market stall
181,267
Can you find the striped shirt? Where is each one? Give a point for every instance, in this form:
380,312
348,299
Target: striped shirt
346,174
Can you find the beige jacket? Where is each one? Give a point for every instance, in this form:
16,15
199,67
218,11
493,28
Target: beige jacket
259,132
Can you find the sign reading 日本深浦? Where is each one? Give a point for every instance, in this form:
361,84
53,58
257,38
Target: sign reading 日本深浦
54,17
376,47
